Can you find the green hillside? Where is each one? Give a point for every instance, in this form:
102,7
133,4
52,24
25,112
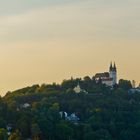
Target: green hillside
57,112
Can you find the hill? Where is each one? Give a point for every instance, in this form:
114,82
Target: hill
57,112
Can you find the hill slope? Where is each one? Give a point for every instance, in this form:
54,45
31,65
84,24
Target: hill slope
56,112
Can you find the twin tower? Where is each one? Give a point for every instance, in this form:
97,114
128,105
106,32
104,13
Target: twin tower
113,73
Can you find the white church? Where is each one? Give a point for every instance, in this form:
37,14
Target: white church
108,78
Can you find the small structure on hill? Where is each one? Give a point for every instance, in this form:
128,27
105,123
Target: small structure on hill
78,89
9,129
134,90
25,106
72,117
63,114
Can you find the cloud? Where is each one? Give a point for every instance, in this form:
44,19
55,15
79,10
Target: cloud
14,7
79,20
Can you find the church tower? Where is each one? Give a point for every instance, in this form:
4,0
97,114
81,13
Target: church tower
113,73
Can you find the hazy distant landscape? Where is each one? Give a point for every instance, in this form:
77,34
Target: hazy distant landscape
69,70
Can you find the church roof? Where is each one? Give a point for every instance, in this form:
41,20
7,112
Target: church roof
111,67
115,69
102,75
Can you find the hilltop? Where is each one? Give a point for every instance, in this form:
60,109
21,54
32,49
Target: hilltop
58,112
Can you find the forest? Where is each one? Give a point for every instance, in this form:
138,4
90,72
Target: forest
56,112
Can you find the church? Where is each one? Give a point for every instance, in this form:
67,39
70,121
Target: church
108,78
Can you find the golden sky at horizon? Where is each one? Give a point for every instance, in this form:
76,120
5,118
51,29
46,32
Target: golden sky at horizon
43,42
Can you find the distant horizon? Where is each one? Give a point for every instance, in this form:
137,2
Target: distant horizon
59,82
48,41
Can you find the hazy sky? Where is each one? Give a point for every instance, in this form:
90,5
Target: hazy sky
43,41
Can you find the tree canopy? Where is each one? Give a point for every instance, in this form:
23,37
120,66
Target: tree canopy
100,113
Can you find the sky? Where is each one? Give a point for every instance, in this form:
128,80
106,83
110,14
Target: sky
45,41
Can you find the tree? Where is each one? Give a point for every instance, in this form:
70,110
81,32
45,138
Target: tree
53,113
3,134
35,130
87,78
2,123
125,84
15,136
101,134
64,131
23,124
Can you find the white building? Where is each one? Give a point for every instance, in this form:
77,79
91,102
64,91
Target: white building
78,89
63,114
108,78
26,105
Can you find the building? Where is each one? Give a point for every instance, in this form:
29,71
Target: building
134,90
78,89
71,117
25,105
108,78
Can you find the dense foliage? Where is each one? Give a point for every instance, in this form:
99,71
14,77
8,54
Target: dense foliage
105,113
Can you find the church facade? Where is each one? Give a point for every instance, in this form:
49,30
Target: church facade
108,78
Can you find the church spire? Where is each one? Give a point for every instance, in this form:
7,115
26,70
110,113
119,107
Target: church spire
111,67
115,69
113,73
